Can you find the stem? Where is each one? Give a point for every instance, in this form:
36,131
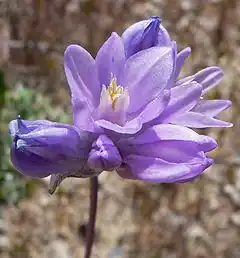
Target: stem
92,215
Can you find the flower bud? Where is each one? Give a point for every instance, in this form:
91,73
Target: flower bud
104,155
145,34
41,148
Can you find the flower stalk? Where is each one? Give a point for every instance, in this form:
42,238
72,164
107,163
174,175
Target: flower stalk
92,216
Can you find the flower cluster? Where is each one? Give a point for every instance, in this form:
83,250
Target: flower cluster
131,114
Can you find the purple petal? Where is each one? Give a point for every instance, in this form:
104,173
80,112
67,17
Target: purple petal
168,132
156,170
181,57
182,99
110,59
145,34
174,151
187,178
146,75
17,126
211,107
130,127
197,120
166,153
163,37
208,78
31,165
140,36
54,139
154,108
81,73
104,155
184,81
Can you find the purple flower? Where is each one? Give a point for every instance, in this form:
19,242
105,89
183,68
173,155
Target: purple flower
166,154
41,148
115,93
184,108
125,111
120,98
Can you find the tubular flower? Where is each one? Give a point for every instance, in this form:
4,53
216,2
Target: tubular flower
184,108
41,148
126,103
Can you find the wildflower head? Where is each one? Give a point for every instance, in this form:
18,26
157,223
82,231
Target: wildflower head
130,112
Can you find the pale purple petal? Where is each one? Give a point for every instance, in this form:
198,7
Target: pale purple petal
146,75
181,57
192,176
208,78
182,99
169,132
156,170
163,37
154,108
110,59
212,107
175,151
172,79
130,127
166,154
81,73
197,120
184,81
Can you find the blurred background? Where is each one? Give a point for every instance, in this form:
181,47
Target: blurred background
135,220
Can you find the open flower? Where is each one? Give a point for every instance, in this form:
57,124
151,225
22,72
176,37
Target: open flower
121,98
116,93
126,106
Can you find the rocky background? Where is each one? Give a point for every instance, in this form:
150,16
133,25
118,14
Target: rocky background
135,220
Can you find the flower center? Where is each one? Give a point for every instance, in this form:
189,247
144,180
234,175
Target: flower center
114,91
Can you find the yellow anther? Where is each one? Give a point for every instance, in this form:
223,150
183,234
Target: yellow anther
114,91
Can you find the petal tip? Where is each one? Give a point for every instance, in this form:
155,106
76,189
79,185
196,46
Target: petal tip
188,50
115,35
